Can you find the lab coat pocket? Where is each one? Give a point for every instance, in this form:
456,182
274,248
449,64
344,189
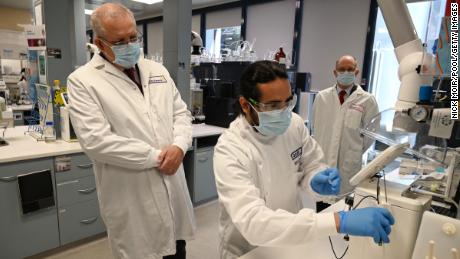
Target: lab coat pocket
353,119
352,163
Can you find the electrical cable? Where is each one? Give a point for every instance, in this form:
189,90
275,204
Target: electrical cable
365,197
335,255
385,187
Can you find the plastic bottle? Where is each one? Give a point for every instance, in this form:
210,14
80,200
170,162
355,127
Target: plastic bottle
49,133
280,56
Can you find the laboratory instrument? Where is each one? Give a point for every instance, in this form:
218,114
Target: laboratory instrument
438,237
6,120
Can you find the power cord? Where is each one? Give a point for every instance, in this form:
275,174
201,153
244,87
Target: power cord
365,197
335,255
385,187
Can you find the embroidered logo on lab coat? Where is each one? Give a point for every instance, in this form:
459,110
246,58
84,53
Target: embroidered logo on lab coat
157,79
297,153
357,107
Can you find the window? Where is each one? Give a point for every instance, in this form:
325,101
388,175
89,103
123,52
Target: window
384,82
220,41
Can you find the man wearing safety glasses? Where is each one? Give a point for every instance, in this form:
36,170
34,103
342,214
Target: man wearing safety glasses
261,163
131,121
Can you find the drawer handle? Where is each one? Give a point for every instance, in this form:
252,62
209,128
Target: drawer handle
87,191
204,159
8,179
89,221
85,166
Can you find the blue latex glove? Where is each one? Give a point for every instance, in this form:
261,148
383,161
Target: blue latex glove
371,222
326,182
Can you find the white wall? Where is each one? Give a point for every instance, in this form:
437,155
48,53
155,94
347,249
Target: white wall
226,18
196,23
331,28
155,38
272,25
155,35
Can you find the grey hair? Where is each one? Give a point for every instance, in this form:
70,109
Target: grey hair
108,10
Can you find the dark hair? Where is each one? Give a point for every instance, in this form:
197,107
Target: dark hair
259,72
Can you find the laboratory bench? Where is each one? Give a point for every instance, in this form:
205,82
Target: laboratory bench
48,193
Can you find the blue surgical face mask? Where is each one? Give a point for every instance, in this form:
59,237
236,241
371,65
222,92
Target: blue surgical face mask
127,55
274,123
345,78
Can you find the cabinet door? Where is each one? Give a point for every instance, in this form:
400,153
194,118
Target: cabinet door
204,181
24,235
79,221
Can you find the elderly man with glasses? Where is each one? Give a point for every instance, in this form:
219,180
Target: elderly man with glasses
131,121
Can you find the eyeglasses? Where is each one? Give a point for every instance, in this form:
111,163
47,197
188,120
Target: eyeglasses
272,106
343,70
136,39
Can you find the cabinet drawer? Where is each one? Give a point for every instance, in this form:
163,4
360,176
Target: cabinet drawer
25,166
81,166
80,221
75,191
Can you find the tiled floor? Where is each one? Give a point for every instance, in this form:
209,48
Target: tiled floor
204,246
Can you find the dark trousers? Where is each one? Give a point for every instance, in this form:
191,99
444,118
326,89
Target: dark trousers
180,251
321,206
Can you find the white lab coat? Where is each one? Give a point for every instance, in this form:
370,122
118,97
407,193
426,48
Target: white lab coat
123,132
336,128
258,180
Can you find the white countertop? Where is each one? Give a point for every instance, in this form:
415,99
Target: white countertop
22,146
203,130
24,107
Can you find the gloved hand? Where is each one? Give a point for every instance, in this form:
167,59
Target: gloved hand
326,182
371,222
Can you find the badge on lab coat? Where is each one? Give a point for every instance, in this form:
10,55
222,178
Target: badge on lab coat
157,79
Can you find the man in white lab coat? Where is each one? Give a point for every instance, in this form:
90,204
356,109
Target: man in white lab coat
262,162
338,113
131,121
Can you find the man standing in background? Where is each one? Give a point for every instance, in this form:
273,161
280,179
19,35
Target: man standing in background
338,113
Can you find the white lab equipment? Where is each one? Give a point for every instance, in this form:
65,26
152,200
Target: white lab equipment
409,51
407,209
438,236
379,163
407,202
6,119
197,43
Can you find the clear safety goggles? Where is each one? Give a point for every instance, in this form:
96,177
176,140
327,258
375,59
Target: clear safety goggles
272,106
